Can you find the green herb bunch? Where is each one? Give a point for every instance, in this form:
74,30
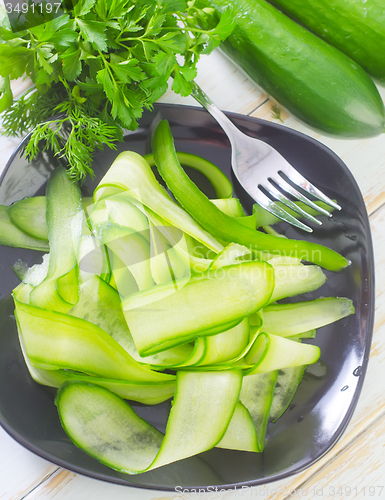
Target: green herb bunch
96,68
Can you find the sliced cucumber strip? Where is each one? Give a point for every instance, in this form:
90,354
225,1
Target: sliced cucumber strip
227,345
133,250
12,236
203,400
181,242
33,275
241,433
257,396
149,393
166,265
59,290
271,352
310,334
54,340
221,184
122,278
230,206
231,254
120,210
221,296
294,280
233,208
29,215
100,304
130,172
105,426
93,259
291,319
288,381
282,260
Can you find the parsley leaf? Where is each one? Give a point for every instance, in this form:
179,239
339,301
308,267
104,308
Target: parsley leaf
72,65
93,31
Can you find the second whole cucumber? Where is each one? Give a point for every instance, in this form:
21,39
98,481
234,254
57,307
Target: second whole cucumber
312,79
356,27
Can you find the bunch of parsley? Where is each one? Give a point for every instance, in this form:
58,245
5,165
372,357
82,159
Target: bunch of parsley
96,67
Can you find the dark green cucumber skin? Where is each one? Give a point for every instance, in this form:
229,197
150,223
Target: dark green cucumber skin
356,27
312,79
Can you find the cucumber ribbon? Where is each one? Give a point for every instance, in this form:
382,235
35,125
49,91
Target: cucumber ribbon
107,428
220,225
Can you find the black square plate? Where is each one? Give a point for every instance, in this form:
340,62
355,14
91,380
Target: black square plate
328,394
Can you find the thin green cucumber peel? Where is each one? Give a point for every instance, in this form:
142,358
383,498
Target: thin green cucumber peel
221,184
219,224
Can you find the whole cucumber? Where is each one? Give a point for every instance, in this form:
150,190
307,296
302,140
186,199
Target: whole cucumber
312,79
356,27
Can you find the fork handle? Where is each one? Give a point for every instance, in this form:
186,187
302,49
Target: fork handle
227,125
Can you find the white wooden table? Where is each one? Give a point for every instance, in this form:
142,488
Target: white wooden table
355,467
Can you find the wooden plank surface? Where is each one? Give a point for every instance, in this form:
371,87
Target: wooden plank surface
359,452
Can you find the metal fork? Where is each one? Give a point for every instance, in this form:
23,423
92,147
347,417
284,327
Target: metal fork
264,173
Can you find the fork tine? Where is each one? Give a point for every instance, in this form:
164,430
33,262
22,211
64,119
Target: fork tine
283,184
282,198
301,181
248,153
265,202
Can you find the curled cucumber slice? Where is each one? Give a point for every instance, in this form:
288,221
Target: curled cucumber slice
222,297
55,340
106,427
221,184
271,352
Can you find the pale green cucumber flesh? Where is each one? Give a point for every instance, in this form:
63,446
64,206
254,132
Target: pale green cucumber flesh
64,222
54,340
29,215
216,295
33,275
257,395
294,280
106,427
133,250
227,345
201,399
149,393
131,173
271,352
241,433
100,304
11,236
93,259
292,319
286,386
221,184
231,254
230,206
